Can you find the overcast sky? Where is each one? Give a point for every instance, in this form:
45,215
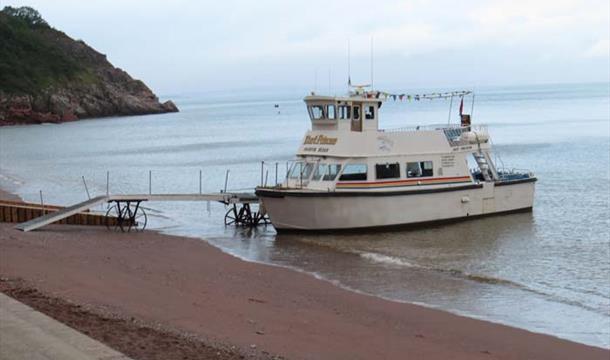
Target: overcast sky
190,45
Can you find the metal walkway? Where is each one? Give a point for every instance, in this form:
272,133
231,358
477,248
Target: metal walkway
61,214
225,198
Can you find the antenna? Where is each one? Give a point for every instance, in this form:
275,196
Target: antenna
372,83
329,91
472,106
349,75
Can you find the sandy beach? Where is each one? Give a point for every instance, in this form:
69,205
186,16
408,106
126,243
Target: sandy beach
186,286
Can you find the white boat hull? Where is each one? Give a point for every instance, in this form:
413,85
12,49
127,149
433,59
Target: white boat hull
341,211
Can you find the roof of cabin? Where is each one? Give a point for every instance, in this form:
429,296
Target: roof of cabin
355,97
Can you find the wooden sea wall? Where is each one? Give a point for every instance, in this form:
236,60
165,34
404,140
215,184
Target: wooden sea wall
18,212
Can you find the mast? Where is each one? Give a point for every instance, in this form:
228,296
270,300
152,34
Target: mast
372,82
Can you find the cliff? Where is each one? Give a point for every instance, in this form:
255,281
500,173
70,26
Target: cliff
46,76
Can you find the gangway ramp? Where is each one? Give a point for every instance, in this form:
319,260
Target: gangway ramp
228,198
61,214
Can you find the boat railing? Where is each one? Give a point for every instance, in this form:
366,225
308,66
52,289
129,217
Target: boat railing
436,127
276,174
508,174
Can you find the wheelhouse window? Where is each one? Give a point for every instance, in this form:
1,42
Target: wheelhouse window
330,112
326,172
354,172
419,169
387,171
356,112
316,112
345,112
369,112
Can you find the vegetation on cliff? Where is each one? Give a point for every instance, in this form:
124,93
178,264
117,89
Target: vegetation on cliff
47,76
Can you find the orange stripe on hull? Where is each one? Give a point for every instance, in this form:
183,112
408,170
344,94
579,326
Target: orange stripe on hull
405,182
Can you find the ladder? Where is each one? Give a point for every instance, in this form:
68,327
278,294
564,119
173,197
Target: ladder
483,164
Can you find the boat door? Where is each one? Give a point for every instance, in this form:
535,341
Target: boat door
356,119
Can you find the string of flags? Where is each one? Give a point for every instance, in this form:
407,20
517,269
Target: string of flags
417,97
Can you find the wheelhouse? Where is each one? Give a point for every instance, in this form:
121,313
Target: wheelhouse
329,113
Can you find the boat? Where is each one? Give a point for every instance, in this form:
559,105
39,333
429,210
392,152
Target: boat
349,174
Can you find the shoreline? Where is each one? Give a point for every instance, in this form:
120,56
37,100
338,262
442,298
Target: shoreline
255,308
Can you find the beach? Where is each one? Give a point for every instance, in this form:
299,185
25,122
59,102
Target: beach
190,290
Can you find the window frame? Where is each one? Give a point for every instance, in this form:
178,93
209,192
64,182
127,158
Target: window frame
356,112
347,166
395,172
372,114
423,171
322,109
334,107
327,175
299,169
346,114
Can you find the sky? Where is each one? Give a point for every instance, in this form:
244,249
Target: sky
186,46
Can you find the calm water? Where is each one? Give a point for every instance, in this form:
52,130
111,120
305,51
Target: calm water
546,271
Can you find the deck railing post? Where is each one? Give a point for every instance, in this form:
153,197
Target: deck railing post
266,175
262,171
42,203
301,173
450,106
276,166
86,189
226,180
199,182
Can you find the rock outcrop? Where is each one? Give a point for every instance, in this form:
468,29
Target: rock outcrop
45,76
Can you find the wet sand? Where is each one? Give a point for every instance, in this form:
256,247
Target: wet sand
191,287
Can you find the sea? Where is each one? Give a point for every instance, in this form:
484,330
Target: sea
547,271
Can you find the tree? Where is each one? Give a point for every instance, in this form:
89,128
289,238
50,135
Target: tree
26,13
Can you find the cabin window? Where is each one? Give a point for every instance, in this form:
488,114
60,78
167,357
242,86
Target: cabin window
301,170
419,169
316,112
345,112
326,172
354,172
330,111
387,171
356,112
295,171
369,112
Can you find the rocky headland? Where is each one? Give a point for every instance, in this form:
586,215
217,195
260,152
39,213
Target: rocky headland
46,76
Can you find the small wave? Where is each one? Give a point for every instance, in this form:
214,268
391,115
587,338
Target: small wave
389,260
482,279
